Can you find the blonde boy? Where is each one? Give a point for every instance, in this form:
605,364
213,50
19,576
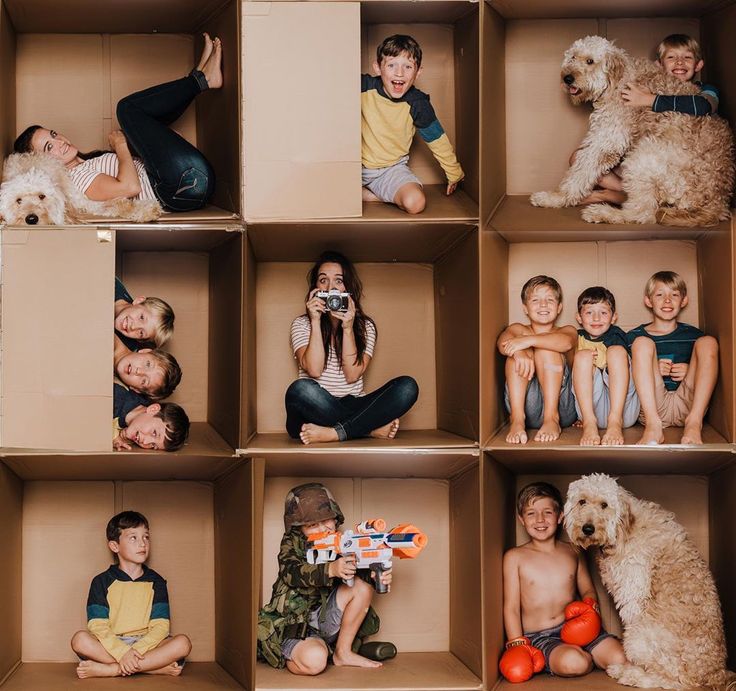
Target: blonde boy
151,373
538,391
675,365
142,319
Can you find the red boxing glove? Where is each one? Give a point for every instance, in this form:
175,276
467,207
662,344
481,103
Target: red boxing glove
583,622
521,660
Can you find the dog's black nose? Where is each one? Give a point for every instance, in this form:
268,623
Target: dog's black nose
31,219
568,79
588,529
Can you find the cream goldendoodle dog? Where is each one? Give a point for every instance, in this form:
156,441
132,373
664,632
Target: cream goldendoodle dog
37,190
662,588
677,169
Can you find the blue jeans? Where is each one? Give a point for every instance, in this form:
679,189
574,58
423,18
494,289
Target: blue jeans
181,177
351,416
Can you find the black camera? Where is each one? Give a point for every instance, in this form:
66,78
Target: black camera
334,300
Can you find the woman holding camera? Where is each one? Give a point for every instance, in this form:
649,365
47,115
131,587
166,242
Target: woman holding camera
333,344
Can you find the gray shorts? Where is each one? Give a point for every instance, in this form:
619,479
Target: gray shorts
327,629
386,182
602,400
534,403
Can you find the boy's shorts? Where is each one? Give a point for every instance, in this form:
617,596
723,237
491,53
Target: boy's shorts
673,406
386,182
548,639
327,630
602,400
534,403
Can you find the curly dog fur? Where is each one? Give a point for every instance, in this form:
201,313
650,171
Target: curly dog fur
662,588
677,169
37,189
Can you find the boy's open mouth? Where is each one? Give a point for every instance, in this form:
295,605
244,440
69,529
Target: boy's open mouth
398,84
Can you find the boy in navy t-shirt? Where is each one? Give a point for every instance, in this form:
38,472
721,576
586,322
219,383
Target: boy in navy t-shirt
675,365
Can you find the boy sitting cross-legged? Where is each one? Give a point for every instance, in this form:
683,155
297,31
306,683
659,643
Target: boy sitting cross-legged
538,383
607,399
675,365
545,627
141,320
128,611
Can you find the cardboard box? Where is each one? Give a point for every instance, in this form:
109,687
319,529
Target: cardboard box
68,69
57,545
305,138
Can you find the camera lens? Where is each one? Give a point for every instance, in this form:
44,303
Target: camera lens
334,302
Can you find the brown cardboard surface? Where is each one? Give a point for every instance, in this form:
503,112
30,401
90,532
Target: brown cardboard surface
174,238
399,297
11,518
720,68
436,671
641,36
399,12
211,218
456,338
597,680
198,676
467,99
7,92
235,578
248,410
602,8
56,398
406,619
459,206
301,144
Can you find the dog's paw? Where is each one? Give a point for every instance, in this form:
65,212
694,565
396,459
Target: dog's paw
553,200
145,210
600,213
615,671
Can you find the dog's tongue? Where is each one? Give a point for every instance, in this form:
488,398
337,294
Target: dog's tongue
574,90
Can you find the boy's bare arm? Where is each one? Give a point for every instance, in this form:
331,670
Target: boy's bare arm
511,331
511,595
584,581
560,340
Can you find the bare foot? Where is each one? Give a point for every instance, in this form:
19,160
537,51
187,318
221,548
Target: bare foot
590,435
173,670
577,423
517,433
368,196
351,659
604,196
651,437
614,435
313,434
206,51
87,669
388,431
692,433
549,431
212,69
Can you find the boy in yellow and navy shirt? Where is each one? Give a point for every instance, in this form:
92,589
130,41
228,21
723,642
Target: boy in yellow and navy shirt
128,612
392,110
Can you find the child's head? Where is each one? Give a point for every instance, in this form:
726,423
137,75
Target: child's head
680,56
665,294
128,538
541,298
539,508
161,426
153,373
146,319
398,62
596,310
312,508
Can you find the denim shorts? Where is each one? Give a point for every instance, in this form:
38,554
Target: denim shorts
326,629
548,639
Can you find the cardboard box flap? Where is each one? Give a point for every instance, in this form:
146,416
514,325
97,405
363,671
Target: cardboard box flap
212,215
404,12
538,9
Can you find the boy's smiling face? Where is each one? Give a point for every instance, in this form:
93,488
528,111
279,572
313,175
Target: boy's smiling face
665,302
398,73
146,430
542,305
596,318
132,546
141,371
326,526
540,518
680,62
136,321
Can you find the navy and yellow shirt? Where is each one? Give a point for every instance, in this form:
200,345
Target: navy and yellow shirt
388,127
124,400
614,336
676,346
117,606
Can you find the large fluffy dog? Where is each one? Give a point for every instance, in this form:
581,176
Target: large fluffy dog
677,169
36,189
662,588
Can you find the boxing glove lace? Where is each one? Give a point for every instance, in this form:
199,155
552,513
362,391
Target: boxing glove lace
521,660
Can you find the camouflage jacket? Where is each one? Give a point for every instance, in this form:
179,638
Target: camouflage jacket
299,588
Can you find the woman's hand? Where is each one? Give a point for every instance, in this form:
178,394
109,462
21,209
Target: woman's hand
348,317
117,141
315,306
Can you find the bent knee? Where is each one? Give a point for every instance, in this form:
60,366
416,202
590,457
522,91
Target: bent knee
572,662
409,389
584,356
642,344
411,198
184,644
707,343
300,389
79,641
312,660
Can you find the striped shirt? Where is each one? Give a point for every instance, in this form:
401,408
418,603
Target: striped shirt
84,174
332,378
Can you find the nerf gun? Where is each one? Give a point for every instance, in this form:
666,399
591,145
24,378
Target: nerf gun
372,545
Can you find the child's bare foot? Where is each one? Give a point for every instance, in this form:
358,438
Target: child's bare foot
212,69
87,669
313,434
351,659
652,436
517,432
549,431
173,670
692,434
206,51
387,431
614,435
368,196
590,435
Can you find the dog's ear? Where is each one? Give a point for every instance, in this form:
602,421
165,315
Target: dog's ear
625,523
615,66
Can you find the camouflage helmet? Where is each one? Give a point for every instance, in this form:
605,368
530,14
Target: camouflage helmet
310,503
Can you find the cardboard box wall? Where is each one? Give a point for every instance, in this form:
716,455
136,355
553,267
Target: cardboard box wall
68,70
